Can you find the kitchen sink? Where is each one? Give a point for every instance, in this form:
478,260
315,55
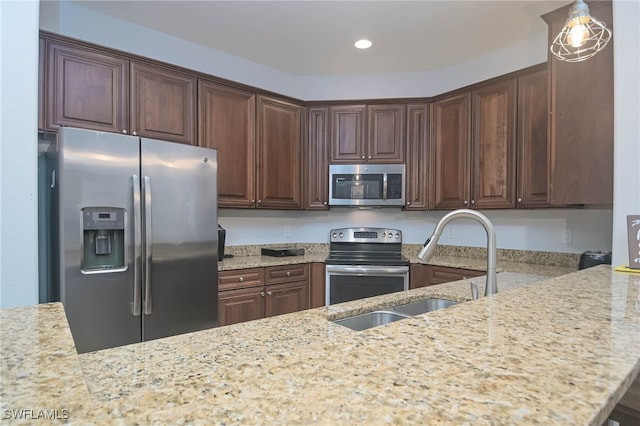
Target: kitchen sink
370,319
423,306
395,313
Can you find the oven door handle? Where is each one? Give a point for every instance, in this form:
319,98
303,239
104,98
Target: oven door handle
367,270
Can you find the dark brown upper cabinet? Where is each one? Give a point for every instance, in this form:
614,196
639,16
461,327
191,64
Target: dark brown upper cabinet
163,103
279,148
474,148
367,133
581,120
451,144
86,88
493,142
533,178
226,118
418,157
316,159
98,90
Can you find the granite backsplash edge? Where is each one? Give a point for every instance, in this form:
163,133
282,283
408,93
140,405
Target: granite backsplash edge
509,255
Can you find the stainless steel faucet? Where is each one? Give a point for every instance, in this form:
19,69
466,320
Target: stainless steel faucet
430,245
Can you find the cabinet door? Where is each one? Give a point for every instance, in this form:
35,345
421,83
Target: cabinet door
241,305
226,119
386,125
450,139
347,133
581,120
317,285
316,164
86,89
42,48
493,144
418,158
163,103
286,298
533,178
279,141
418,276
444,274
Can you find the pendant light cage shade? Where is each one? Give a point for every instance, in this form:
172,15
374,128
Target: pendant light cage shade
581,37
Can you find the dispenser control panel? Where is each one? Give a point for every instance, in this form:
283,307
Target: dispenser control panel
95,218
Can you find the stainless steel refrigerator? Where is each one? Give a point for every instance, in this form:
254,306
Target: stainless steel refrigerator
135,237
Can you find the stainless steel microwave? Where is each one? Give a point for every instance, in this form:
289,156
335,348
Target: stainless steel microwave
377,185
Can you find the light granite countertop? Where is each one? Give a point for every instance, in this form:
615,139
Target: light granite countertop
526,262
543,350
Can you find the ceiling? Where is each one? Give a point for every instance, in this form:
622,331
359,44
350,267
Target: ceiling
316,37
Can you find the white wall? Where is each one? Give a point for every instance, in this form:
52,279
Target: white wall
81,23
626,16
515,229
18,152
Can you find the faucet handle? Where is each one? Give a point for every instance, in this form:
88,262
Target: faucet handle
474,290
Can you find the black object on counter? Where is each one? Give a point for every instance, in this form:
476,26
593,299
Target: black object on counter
221,237
281,252
593,258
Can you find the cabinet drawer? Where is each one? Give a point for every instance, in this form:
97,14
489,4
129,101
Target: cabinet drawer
242,278
442,274
287,273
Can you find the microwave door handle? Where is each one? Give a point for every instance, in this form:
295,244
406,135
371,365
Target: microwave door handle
384,187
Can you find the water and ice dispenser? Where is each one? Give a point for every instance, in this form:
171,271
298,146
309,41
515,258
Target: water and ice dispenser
103,248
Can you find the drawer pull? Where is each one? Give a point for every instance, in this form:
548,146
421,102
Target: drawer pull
262,293
241,279
270,293
288,273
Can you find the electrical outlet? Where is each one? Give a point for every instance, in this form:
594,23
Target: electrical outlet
566,236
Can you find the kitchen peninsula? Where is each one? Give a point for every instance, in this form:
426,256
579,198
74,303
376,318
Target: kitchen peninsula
548,351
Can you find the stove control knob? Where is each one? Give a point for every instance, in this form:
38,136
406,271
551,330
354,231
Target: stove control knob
334,235
397,236
384,235
341,235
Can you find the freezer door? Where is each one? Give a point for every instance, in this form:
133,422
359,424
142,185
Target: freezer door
180,248
94,209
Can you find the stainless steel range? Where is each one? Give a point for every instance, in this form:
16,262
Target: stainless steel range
365,262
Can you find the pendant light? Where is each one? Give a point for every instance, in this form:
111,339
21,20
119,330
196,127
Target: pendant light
581,37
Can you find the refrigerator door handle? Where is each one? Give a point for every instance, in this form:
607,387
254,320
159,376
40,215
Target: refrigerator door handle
147,245
137,247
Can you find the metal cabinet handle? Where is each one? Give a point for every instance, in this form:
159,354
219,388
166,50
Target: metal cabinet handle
124,132
241,279
262,293
369,157
269,293
466,202
473,202
288,273
134,133
324,203
148,243
137,248
519,199
408,203
363,157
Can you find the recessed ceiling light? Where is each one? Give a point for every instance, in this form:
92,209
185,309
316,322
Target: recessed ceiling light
363,44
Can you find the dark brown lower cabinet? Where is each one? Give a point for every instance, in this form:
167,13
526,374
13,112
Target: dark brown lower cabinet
317,285
426,275
249,294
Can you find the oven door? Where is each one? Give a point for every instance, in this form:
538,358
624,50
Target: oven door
352,282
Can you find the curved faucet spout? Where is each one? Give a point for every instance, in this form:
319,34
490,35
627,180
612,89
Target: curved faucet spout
430,245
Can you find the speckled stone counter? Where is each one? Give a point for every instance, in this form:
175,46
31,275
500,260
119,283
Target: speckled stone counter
541,351
522,261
